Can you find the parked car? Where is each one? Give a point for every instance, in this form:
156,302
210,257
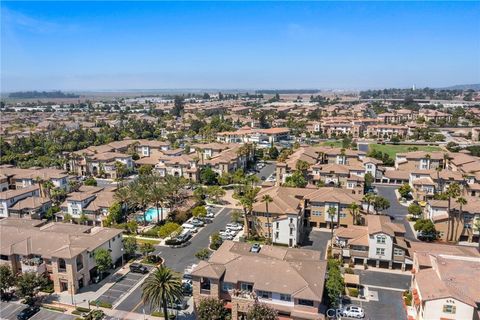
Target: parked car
187,289
353,312
27,313
189,227
226,237
210,215
138,268
197,222
180,304
423,236
255,248
228,232
184,236
234,226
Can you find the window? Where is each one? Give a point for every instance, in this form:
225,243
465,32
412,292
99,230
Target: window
277,235
75,211
291,231
285,297
448,308
278,225
343,215
380,251
397,252
317,213
381,239
246,287
3,257
62,266
268,224
264,294
227,286
304,302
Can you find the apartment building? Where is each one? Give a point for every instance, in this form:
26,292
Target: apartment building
90,202
398,116
64,252
261,137
10,198
338,175
442,286
380,243
463,222
420,160
183,165
289,280
386,131
16,178
434,116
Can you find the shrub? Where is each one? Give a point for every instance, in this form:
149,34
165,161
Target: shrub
102,304
353,292
168,229
349,271
203,254
407,297
82,309
54,308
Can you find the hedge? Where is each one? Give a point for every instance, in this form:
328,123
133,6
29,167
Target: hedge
102,304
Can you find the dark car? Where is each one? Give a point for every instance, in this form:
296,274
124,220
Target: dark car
138,268
27,313
422,236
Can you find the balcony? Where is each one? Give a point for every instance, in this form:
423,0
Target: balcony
242,294
36,265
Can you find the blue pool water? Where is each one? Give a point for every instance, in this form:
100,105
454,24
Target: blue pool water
151,214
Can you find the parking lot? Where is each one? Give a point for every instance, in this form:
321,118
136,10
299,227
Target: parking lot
9,311
121,287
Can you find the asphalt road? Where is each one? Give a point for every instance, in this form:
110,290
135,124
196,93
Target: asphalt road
9,311
317,240
178,258
396,210
266,171
384,279
388,306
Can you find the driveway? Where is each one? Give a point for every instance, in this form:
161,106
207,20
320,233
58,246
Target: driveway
384,279
316,240
179,258
396,210
9,311
266,171
387,305
121,287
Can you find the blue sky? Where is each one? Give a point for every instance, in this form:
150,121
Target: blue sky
147,45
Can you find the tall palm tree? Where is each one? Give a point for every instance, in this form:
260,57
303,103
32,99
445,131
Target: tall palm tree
354,210
332,211
157,196
461,201
453,191
369,198
123,195
161,287
246,198
267,199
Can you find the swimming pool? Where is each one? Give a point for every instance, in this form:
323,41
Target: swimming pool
151,214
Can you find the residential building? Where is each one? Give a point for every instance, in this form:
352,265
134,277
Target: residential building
380,243
9,198
289,280
63,252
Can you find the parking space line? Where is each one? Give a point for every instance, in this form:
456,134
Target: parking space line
384,288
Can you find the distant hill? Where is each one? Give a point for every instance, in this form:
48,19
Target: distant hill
464,87
41,95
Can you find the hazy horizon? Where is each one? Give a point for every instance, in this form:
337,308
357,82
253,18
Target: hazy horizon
121,46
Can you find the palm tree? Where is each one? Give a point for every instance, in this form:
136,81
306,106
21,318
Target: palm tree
123,196
161,287
453,191
332,211
247,198
368,198
354,210
267,199
461,201
157,196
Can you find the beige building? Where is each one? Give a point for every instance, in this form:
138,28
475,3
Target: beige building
289,280
63,252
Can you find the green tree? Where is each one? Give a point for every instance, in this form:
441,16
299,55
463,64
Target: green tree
334,284
130,246
268,199
415,210
168,229
404,190
215,241
199,212
203,254
28,286
247,196
380,203
273,153
114,214
90,181
261,311
461,201
161,287
425,225
208,176
355,212
452,192
83,218
211,309
158,196
332,213
236,216
103,260
7,279
296,180
215,193
369,179
146,248
145,169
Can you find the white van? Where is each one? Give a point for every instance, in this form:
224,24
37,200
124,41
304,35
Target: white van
189,227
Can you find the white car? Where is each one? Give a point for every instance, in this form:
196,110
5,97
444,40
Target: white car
227,233
353,312
234,226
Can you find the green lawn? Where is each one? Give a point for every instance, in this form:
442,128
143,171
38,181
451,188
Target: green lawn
393,149
333,143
